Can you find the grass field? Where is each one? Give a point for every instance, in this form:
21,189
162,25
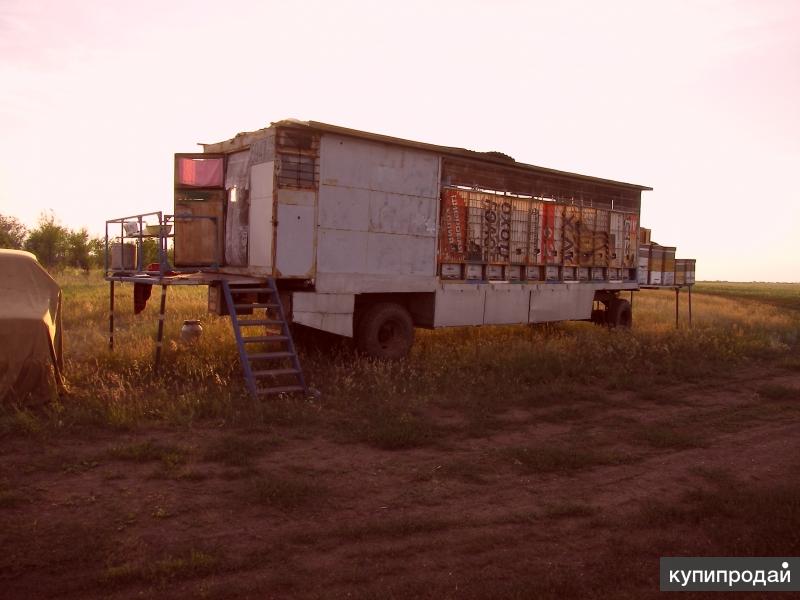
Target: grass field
556,461
780,294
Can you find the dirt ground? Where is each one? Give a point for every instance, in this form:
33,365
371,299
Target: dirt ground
569,499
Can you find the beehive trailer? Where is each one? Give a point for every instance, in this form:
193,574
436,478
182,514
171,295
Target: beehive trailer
370,236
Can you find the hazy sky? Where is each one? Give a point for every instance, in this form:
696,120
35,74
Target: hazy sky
699,100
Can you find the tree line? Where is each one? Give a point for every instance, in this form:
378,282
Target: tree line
58,247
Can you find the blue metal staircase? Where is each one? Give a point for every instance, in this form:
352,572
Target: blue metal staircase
269,360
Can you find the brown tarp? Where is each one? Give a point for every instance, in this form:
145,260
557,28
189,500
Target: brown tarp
30,328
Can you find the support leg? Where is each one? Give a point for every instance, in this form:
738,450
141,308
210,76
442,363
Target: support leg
677,293
160,337
690,307
111,316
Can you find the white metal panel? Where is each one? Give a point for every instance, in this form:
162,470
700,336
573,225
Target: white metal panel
561,302
407,254
506,303
323,303
351,162
363,283
343,208
295,248
340,324
396,213
260,242
300,197
342,251
459,304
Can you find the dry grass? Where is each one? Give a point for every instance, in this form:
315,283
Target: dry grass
480,371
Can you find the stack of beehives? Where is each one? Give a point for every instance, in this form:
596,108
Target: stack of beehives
658,265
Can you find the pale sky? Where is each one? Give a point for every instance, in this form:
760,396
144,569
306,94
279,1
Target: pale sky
699,100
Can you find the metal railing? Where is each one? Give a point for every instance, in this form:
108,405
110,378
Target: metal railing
137,229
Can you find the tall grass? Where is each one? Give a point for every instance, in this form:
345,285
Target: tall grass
474,368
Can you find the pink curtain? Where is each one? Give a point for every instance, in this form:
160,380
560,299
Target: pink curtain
200,172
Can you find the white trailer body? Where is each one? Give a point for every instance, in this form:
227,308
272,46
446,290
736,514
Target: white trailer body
345,220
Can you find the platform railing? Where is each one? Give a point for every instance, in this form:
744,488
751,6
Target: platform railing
134,228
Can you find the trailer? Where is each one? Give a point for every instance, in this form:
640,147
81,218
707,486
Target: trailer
369,236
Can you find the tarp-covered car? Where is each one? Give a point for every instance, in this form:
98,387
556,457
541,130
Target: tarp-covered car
30,328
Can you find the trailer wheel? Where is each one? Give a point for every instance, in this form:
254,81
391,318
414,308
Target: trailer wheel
619,313
598,316
385,331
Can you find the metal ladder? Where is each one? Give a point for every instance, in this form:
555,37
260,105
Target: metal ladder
269,368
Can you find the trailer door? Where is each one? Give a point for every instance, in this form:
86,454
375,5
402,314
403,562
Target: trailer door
199,209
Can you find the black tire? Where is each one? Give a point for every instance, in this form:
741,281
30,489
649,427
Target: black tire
385,330
619,314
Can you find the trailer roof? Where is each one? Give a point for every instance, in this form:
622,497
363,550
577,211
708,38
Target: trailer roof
488,157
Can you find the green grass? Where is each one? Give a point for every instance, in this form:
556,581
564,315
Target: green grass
785,295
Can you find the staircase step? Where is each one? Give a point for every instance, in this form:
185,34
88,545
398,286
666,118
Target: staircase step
256,305
254,322
281,389
269,355
264,338
275,372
